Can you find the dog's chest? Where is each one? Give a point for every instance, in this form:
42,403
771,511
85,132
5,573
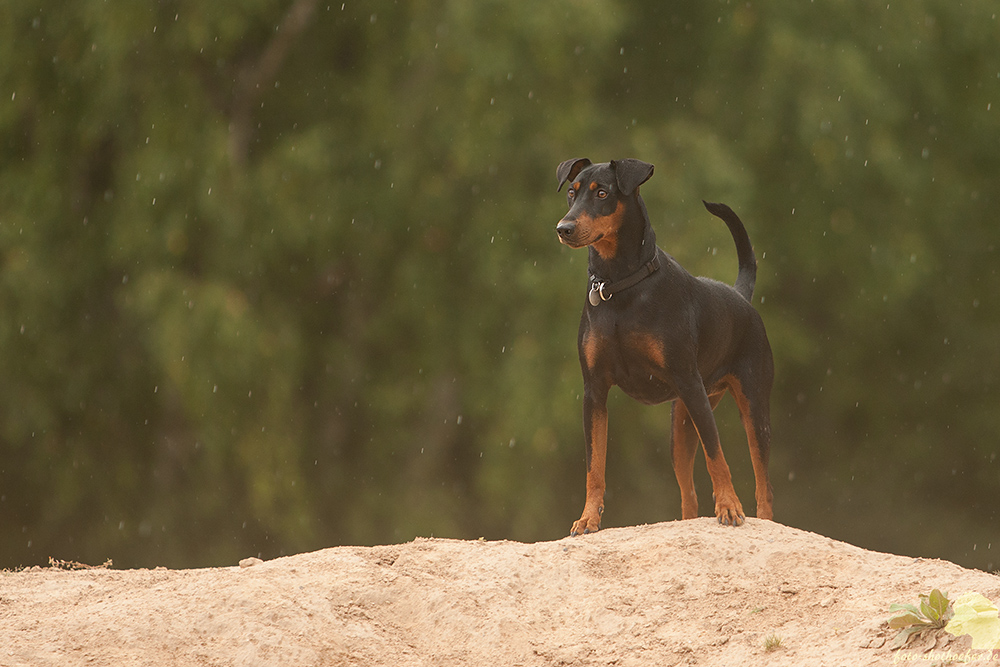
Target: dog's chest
635,360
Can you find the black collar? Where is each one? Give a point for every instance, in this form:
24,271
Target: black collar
602,290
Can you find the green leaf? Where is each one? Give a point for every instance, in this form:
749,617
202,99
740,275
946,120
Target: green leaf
939,607
903,636
902,606
906,619
945,605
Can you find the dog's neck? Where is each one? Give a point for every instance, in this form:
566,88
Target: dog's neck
636,245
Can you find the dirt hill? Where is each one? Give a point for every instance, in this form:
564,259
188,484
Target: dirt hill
686,592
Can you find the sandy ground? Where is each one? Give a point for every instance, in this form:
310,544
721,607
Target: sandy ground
679,593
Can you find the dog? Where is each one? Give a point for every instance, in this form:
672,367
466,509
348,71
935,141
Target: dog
661,334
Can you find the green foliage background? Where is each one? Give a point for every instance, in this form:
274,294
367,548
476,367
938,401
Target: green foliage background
282,275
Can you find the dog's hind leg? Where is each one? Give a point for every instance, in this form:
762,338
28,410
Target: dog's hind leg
683,448
753,399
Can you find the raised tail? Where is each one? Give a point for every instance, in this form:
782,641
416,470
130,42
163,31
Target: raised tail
747,276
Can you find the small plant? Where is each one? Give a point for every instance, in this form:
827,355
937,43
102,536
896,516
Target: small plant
934,612
772,643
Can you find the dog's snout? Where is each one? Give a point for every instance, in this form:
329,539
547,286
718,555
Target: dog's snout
565,228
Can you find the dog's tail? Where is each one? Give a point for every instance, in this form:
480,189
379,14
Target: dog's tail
747,276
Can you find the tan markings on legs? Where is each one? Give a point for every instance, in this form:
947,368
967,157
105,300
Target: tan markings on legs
684,447
758,428
597,438
728,509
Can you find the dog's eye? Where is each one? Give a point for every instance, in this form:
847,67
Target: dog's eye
602,194
571,193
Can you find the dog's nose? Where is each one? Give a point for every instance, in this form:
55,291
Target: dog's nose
565,228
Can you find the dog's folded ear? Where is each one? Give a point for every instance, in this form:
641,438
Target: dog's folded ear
631,173
567,171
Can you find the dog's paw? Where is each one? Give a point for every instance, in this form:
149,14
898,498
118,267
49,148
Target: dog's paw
587,524
730,513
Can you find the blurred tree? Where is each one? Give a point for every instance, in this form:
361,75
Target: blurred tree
281,275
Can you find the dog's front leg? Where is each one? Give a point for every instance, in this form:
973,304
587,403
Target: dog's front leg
595,427
728,509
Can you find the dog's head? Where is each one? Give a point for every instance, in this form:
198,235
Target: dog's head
598,196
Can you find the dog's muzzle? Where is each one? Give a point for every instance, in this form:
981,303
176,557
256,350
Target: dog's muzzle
566,229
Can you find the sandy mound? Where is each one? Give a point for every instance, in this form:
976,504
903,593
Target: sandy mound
687,592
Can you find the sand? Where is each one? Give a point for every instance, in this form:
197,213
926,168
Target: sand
676,593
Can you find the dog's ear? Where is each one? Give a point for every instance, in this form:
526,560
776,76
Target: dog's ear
567,171
631,173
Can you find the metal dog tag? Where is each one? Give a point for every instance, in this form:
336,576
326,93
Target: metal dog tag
595,294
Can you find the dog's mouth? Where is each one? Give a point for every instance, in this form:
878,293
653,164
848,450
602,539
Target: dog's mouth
578,242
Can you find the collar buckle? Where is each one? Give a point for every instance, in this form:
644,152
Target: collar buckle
600,290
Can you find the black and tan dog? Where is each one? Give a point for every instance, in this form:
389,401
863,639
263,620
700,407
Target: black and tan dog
661,334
